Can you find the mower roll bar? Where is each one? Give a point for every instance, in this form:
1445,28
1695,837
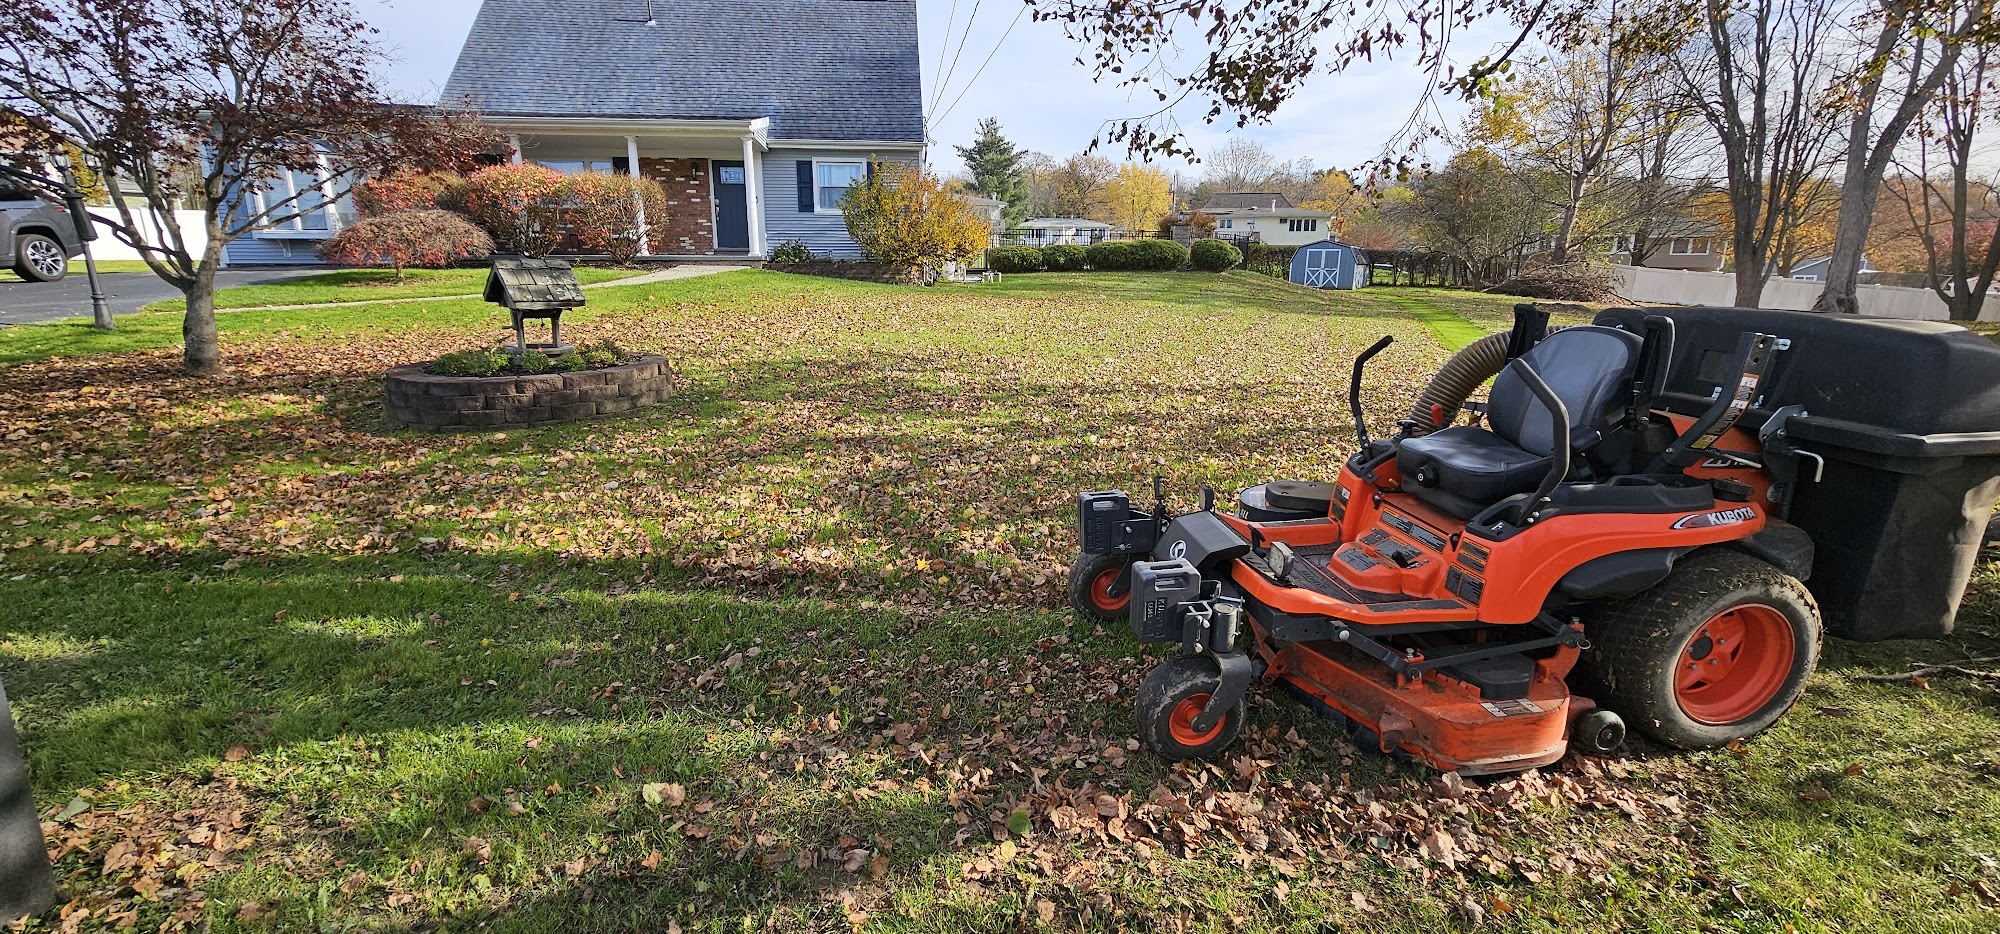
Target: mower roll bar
1354,387
1558,442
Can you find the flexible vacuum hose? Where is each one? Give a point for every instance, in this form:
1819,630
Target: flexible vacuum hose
1466,371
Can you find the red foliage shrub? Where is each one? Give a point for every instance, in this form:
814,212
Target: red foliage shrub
424,239
602,211
410,191
521,205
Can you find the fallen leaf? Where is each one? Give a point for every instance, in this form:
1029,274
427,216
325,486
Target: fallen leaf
239,752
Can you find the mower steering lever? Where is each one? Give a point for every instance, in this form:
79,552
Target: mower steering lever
1354,387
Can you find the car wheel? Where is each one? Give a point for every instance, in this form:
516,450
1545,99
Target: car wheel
40,259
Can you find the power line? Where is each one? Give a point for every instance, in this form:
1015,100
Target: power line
944,82
943,45
982,65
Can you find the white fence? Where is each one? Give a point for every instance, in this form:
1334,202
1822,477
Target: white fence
1684,287
107,246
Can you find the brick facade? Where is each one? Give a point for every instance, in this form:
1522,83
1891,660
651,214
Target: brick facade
690,226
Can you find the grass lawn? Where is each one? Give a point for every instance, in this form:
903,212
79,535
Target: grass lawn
368,285
76,268
788,651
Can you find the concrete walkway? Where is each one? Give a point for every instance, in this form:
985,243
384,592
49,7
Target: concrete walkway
676,272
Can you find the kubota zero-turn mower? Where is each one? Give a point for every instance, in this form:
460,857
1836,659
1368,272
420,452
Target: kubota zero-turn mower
1626,539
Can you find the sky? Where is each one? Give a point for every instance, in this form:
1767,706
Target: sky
1044,100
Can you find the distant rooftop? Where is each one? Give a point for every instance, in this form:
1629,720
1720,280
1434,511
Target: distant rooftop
1247,201
1063,222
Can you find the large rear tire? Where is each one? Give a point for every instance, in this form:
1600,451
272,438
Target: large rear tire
1715,653
1090,580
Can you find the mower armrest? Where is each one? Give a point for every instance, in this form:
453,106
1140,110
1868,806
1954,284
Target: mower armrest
1559,439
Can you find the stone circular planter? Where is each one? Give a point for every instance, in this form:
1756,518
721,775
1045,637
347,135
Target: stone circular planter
449,403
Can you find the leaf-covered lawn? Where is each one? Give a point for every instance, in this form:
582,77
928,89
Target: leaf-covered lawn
369,285
788,652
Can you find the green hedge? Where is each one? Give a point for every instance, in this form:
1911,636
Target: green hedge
1065,257
1273,261
1214,256
1137,256
1014,259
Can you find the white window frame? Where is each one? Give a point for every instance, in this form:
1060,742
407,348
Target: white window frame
1675,248
818,204
1225,223
1302,225
295,228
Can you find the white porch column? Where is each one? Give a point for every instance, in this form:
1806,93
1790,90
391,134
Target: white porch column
753,189
514,140
632,166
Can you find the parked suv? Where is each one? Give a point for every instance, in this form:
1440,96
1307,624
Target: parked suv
37,236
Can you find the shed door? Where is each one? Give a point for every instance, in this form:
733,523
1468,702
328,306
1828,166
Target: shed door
1322,267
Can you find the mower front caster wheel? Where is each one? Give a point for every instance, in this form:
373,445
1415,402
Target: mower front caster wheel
1090,583
1172,696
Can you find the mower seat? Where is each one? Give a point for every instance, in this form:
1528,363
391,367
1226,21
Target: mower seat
1461,470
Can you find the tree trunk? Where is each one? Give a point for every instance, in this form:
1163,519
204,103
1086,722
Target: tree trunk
203,353
1857,207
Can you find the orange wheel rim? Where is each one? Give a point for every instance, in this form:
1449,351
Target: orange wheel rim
1734,664
1180,724
1100,592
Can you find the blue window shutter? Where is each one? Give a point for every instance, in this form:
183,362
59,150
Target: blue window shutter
805,186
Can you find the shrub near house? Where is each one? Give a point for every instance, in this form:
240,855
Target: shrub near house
423,239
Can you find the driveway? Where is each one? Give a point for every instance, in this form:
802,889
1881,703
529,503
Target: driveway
30,302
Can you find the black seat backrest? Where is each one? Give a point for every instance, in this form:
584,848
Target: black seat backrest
1590,369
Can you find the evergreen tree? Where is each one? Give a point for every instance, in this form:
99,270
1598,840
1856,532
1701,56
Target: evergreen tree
996,170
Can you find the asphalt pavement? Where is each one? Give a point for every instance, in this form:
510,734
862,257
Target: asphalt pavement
126,292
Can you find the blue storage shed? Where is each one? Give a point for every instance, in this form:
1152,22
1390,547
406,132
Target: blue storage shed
1330,264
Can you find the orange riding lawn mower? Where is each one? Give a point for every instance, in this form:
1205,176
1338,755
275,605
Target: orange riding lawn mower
1651,521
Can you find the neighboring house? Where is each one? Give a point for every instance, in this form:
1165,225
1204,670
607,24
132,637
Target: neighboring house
1701,254
1267,217
754,114
1049,231
1814,270
992,210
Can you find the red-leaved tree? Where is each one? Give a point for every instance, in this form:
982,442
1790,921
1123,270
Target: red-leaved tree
425,239
603,211
258,113
410,191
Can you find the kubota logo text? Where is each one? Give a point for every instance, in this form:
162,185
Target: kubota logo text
1709,520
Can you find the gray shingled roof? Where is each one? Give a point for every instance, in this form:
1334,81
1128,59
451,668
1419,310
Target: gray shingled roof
820,69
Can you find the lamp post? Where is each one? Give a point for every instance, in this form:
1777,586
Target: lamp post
100,310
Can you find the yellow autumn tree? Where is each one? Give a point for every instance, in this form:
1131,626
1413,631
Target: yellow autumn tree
1137,197
905,218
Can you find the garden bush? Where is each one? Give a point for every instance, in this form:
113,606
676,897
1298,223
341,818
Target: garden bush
521,205
410,191
1065,257
904,218
792,251
603,352
1214,255
568,363
425,239
602,211
1014,259
1156,255
485,361
1110,256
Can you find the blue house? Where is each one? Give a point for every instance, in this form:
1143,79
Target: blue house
755,115
1330,264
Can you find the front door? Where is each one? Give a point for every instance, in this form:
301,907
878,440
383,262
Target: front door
732,207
